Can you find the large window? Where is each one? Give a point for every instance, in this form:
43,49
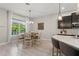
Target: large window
18,27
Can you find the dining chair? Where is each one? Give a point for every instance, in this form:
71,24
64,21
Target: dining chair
27,42
35,38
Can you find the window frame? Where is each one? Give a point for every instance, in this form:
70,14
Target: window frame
14,20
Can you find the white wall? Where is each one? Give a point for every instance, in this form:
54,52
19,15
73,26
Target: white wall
3,26
50,26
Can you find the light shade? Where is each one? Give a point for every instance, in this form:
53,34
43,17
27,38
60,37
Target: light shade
59,13
59,17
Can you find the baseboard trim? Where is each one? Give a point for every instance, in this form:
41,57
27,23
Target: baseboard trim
3,43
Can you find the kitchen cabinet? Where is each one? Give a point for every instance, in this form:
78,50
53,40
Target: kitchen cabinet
65,23
75,17
75,20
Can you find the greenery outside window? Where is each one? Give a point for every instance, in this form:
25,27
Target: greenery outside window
18,27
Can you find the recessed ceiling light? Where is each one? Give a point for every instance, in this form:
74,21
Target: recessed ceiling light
62,8
27,3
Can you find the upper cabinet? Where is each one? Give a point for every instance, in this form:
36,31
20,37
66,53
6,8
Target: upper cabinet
75,20
69,22
65,23
75,17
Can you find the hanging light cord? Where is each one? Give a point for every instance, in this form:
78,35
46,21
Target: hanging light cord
59,13
59,10
29,14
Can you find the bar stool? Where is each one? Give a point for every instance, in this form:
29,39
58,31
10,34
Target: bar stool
55,44
68,50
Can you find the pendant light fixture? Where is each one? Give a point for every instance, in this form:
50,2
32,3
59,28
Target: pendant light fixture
29,14
59,13
31,22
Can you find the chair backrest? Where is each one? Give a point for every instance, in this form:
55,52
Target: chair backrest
55,43
27,35
68,50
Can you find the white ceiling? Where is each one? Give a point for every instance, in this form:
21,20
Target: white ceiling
37,9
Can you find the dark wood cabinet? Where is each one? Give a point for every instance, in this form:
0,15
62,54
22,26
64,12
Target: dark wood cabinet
75,17
69,22
66,23
67,19
75,20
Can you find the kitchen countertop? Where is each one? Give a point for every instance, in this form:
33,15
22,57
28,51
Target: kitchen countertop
70,40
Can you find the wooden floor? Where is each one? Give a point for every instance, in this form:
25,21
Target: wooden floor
15,48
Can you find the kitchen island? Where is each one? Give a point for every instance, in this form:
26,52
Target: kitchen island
69,40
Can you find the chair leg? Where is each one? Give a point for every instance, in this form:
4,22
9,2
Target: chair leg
57,52
53,51
60,52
